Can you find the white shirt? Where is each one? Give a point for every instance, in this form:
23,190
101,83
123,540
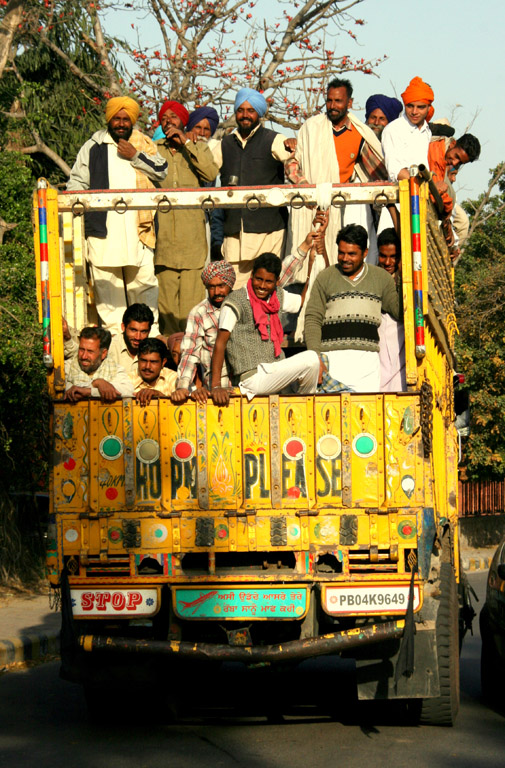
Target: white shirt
404,145
228,319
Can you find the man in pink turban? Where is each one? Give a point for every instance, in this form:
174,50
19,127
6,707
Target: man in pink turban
120,246
181,245
405,141
201,332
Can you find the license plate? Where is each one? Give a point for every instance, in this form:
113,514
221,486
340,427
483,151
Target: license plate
114,602
366,599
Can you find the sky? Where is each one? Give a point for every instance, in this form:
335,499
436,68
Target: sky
455,46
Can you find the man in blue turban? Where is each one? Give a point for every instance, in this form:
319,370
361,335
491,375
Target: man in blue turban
381,110
250,156
203,121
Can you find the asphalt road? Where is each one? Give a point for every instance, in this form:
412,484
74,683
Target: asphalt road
43,722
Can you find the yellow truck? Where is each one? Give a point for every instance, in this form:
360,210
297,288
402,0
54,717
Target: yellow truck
269,531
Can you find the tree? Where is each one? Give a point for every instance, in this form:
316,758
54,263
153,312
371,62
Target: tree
210,48
58,73
480,293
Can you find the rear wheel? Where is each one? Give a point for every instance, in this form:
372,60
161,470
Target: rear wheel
443,709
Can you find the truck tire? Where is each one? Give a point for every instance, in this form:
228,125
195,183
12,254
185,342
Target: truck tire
443,709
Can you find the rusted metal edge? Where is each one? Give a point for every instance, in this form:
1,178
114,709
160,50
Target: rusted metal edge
295,649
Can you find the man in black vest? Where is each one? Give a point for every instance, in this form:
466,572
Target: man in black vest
252,156
120,246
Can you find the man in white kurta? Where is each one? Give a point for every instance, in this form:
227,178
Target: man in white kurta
335,147
120,245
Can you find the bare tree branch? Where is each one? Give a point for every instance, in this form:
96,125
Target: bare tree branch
8,27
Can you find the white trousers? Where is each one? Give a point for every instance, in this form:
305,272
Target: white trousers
301,370
118,287
356,368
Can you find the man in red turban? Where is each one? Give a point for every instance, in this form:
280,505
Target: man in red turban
405,141
181,244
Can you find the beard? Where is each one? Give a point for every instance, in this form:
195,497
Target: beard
336,117
123,133
246,127
377,129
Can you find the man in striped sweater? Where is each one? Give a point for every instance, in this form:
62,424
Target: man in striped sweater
345,311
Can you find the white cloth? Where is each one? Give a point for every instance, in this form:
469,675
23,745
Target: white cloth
141,287
228,319
119,248
404,145
358,369
392,355
300,372
318,160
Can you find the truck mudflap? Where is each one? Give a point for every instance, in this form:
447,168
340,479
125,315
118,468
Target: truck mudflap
293,650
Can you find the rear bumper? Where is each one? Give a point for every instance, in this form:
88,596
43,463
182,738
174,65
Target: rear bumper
294,650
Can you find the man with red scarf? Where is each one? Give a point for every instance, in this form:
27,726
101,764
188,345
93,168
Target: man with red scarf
250,334
181,243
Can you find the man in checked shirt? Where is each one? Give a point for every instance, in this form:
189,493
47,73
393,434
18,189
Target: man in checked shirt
203,320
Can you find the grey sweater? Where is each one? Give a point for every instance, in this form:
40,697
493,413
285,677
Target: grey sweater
346,314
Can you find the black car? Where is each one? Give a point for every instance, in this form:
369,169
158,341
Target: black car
492,628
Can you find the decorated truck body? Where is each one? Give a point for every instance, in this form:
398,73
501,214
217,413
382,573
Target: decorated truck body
267,531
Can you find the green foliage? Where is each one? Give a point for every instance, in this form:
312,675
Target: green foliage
480,294
23,402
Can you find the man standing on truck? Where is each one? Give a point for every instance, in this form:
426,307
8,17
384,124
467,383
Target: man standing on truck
181,245
381,110
120,245
345,310
91,374
252,155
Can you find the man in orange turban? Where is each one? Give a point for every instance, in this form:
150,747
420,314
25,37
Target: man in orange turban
120,247
405,141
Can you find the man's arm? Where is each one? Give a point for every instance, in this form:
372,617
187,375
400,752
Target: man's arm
390,298
79,175
314,316
219,394
202,160
191,346
121,383
150,162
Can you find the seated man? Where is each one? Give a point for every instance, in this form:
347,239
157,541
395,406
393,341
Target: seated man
201,331
154,380
136,326
91,373
344,312
250,334
391,331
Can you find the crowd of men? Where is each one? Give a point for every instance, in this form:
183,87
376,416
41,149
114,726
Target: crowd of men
192,304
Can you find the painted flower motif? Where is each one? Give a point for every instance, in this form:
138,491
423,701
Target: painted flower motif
223,483
149,601
73,602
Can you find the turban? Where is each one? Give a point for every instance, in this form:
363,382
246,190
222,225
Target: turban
202,113
118,103
387,104
173,339
418,90
177,108
255,99
221,269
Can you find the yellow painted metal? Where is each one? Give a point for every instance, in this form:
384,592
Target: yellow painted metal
343,476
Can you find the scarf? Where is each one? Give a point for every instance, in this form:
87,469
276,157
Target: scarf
261,309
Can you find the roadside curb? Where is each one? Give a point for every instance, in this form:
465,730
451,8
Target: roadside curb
29,647
476,563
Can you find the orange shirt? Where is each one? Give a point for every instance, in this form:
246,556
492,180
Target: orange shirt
438,167
347,146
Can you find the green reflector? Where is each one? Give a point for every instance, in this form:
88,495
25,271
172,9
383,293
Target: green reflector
364,445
